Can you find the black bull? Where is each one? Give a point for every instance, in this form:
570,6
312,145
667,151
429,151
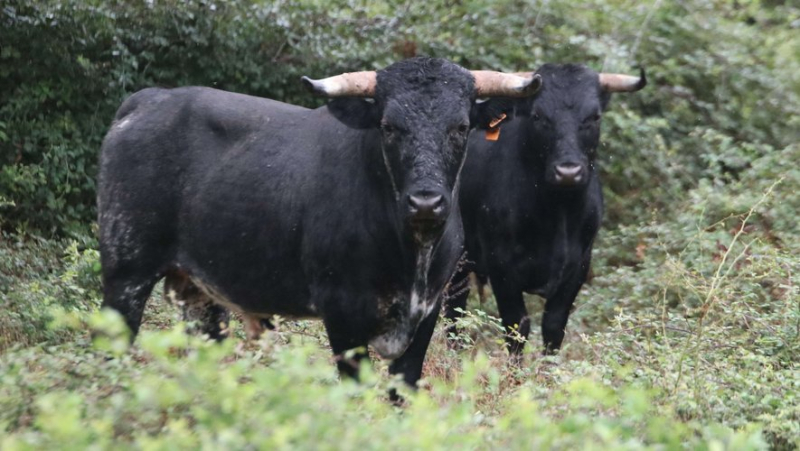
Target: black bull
532,202
346,213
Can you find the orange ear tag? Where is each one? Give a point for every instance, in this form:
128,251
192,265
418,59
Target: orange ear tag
493,132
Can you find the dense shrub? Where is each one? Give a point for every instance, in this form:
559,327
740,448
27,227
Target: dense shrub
694,344
721,72
68,65
38,275
185,393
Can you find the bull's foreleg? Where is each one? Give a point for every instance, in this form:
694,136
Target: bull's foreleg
557,310
556,315
410,363
348,350
514,315
348,359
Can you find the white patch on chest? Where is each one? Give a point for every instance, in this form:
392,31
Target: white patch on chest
420,304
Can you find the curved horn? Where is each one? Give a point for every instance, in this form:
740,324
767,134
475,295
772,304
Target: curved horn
523,74
499,84
353,84
623,83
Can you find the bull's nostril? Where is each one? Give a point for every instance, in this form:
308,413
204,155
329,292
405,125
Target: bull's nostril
568,169
426,206
569,173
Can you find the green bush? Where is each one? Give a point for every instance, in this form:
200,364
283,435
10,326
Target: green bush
38,275
180,392
693,346
721,72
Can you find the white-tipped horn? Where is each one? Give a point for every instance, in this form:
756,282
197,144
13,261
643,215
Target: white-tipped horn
523,74
499,84
622,82
352,84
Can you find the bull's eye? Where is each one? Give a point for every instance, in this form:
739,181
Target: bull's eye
458,134
387,128
541,121
592,119
591,122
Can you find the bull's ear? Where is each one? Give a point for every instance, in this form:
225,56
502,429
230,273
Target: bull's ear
355,112
483,113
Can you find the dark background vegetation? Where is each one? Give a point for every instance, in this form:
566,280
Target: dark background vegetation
694,299
724,85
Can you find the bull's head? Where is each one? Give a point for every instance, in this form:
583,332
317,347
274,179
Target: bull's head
563,122
424,109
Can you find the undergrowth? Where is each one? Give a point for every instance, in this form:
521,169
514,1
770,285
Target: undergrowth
693,346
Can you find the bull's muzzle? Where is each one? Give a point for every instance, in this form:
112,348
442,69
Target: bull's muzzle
427,210
568,174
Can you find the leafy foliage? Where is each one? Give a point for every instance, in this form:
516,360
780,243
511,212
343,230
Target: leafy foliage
694,346
37,275
721,72
176,391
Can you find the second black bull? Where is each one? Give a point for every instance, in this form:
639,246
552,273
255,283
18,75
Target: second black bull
532,202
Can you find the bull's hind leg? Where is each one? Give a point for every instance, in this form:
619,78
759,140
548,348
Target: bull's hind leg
127,293
255,326
132,258
201,314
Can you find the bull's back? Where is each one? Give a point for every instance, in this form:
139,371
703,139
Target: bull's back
163,146
171,129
